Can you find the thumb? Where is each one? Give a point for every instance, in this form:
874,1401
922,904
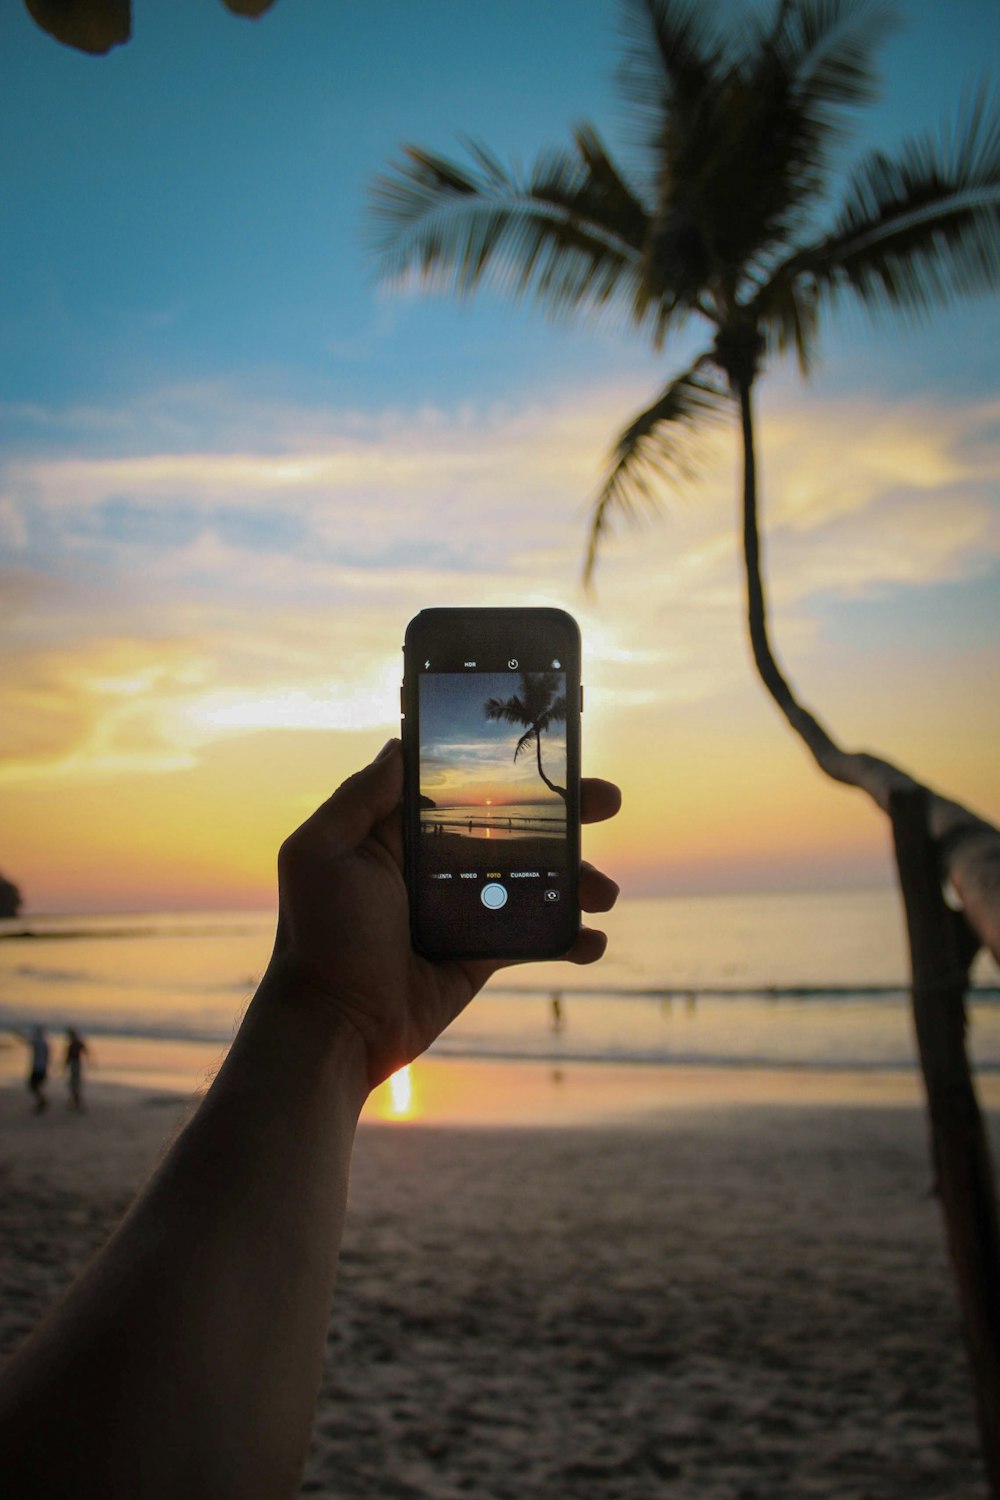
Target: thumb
364,799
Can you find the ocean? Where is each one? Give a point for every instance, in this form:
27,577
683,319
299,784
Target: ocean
516,820
807,980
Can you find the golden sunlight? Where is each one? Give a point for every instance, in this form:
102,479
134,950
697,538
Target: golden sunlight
400,1104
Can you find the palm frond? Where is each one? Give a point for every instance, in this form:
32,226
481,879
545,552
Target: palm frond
648,449
919,229
554,714
788,316
605,196
673,54
670,77
510,710
524,741
787,106
741,133
571,231
827,49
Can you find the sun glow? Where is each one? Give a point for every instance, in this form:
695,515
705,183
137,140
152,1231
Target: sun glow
401,1093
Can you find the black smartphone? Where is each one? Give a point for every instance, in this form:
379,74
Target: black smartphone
491,809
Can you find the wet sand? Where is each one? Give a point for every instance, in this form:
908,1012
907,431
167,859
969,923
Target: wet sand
711,1299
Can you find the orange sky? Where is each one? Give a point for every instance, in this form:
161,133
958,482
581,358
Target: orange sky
159,743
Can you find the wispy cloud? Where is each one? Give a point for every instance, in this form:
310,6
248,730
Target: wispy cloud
251,565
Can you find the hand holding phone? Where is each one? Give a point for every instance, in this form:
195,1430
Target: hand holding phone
491,811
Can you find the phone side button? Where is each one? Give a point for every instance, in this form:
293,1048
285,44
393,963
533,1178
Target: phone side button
581,697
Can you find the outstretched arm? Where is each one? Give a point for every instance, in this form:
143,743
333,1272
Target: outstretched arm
187,1357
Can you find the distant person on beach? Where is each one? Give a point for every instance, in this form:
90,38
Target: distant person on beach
76,1051
186,1358
38,1067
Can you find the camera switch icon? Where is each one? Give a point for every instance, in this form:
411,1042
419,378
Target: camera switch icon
551,895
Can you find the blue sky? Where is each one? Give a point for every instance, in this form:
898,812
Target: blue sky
194,202
232,465
192,205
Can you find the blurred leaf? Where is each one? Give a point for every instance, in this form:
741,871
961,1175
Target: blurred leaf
657,444
252,8
93,26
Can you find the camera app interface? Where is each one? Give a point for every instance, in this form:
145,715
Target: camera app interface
492,847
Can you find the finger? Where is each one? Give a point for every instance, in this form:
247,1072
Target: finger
598,799
598,892
363,800
389,833
589,946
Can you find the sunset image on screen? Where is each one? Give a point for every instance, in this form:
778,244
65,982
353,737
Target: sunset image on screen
492,767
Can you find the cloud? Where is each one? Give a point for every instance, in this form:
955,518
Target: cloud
376,485
98,707
858,499
13,525
255,568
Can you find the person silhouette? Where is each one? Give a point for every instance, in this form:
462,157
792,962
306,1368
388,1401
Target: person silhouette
76,1051
39,1067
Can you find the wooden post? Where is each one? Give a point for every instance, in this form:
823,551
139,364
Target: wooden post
942,947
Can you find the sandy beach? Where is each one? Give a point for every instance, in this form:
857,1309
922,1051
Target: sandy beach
708,1299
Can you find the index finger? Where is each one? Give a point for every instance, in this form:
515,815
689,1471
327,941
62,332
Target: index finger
599,800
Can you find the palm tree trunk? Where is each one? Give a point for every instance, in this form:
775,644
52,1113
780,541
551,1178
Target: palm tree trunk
947,841
560,791
968,848
941,948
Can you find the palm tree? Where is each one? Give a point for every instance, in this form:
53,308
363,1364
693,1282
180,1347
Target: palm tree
722,219
538,706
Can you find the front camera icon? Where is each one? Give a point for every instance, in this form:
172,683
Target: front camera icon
512,663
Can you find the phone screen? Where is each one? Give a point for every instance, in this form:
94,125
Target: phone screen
492,734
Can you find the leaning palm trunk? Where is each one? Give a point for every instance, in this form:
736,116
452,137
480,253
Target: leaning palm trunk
560,791
968,848
934,839
728,222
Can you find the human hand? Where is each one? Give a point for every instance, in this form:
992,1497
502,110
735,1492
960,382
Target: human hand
343,918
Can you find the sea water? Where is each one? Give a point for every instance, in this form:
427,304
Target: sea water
815,980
